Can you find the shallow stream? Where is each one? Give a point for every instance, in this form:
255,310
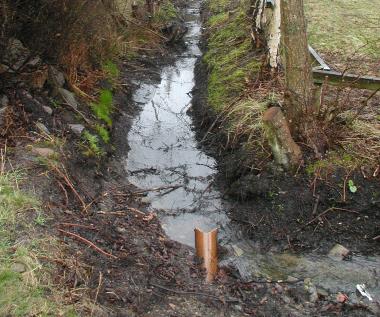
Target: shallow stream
165,156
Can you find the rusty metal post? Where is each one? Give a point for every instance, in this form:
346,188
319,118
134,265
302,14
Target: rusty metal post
206,246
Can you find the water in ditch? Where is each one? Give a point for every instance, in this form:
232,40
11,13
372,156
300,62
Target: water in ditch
164,154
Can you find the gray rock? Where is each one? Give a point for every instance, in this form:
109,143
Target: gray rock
68,98
45,152
322,292
48,110
121,230
145,200
42,128
2,113
77,129
4,101
18,267
55,77
16,55
339,252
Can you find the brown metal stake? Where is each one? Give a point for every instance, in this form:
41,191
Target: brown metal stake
206,246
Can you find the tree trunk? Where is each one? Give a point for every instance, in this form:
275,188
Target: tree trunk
299,99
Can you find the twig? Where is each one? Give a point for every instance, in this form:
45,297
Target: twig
97,292
156,189
315,208
376,238
325,212
66,224
89,243
65,192
68,182
195,293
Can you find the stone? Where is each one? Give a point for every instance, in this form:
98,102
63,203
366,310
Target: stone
292,279
18,267
4,101
68,98
77,129
16,55
121,230
145,200
42,128
45,152
48,110
2,114
322,293
339,252
55,78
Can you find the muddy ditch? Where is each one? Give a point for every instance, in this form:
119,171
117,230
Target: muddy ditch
271,219
145,199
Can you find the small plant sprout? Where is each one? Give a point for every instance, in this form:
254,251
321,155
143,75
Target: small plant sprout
351,186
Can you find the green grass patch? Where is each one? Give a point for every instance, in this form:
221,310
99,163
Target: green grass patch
344,27
111,70
23,281
103,108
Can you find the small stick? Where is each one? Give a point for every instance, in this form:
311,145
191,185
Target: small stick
315,208
325,212
66,224
376,238
65,192
65,177
157,189
97,292
194,293
89,243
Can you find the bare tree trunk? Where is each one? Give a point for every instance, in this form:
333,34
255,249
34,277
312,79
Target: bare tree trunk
299,95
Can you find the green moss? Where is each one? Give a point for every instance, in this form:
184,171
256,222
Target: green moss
230,58
111,70
333,160
91,144
103,133
103,108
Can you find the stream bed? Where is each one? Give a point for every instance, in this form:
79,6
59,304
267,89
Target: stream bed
164,154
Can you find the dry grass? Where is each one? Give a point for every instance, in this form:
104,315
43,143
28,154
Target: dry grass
36,271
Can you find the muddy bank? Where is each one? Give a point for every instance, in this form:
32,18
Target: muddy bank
136,269
279,209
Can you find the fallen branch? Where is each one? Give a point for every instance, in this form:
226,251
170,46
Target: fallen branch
156,189
85,241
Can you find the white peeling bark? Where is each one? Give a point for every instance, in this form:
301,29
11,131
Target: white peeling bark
268,19
274,35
